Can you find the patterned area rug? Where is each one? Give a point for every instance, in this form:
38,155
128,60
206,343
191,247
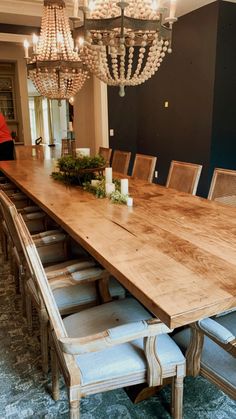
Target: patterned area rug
24,393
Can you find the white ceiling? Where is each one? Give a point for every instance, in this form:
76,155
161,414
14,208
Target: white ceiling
29,12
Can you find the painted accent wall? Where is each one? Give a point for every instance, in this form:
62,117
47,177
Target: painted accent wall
199,82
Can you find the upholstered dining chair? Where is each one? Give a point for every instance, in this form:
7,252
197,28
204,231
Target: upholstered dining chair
62,276
24,152
120,161
106,154
109,346
144,167
184,177
223,187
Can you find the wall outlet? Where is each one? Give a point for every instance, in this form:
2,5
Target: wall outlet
156,174
111,132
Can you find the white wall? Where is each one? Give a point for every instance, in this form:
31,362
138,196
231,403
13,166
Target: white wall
91,115
15,53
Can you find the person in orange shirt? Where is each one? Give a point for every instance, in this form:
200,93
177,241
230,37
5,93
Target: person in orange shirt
6,141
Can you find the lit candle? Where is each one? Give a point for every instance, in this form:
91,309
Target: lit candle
70,126
172,8
108,174
35,42
26,47
76,5
124,186
129,201
109,188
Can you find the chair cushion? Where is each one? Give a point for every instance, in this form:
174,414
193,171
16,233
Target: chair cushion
121,360
214,358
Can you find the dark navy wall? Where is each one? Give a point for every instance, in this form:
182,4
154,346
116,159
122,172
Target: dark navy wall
223,151
186,80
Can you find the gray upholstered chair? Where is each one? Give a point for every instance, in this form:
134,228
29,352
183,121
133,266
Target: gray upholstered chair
211,350
184,177
211,342
108,346
64,277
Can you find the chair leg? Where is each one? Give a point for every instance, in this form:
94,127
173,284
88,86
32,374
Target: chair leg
74,404
5,247
177,397
44,340
28,309
55,374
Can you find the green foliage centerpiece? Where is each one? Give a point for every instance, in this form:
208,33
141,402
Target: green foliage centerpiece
88,172
76,171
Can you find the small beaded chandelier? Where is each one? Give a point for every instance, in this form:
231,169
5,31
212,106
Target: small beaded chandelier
55,67
126,41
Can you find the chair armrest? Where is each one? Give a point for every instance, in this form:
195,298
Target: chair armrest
216,331
112,337
75,278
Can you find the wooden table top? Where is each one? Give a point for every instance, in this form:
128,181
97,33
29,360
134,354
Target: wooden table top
174,252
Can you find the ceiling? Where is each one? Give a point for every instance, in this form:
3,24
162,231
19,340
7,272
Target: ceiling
29,12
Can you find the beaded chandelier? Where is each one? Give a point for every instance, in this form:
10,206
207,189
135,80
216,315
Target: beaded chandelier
55,67
126,41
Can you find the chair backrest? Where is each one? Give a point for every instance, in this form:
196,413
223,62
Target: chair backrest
184,177
223,186
68,147
106,154
9,212
39,278
144,167
25,152
120,161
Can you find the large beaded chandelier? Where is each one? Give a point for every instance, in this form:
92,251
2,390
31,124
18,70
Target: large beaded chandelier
55,66
126,41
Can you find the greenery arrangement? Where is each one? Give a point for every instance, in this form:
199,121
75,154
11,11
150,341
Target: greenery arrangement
76,171
81,170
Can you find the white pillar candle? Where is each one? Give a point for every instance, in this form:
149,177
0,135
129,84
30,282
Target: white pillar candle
81,152
108,174
70,126
109,188
95,182
124,186
129,201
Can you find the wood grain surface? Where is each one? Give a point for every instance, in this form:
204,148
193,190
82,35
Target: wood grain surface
174,252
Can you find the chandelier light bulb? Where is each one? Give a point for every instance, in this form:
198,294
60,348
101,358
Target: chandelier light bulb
26,47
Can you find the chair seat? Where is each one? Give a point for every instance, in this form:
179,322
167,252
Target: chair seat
214,358
123,360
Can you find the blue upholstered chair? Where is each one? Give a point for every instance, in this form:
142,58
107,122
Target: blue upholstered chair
64,275
211,342
109,346
211,350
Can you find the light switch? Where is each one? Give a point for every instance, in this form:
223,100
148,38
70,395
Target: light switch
111,132
166,104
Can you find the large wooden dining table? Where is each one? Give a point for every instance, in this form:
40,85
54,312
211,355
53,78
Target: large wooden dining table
174,252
